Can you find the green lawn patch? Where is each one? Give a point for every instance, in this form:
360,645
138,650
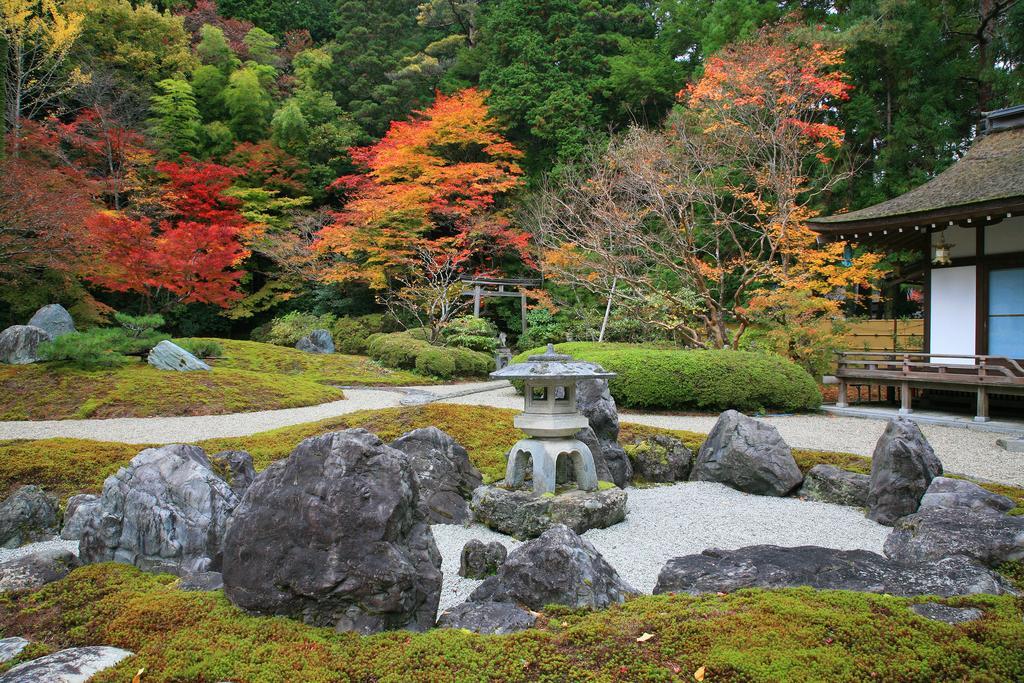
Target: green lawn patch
251,376
751,635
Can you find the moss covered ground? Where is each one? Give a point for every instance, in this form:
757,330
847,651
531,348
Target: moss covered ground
751,635
250,376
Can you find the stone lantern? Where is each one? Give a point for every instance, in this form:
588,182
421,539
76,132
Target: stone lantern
551,420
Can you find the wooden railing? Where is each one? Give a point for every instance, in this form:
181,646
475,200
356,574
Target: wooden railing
908,370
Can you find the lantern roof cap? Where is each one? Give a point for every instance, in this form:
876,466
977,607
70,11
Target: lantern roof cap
552,365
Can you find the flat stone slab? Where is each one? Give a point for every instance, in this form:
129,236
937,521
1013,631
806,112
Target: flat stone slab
74,665
947,614
1011,444
524,514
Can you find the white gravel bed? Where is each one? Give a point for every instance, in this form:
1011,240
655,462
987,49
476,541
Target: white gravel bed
53,544
686,518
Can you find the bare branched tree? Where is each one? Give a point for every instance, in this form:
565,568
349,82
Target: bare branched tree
430,291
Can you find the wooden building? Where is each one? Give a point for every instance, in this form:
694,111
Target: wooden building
968,225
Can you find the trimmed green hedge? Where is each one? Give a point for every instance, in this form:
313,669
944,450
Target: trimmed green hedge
410,351
667,379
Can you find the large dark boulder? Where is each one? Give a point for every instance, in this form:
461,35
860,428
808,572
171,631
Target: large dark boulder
317,341
479,560
53,318
945,492
28,515
523,514
661,458
559,567
496,618
595,402
830,484
902,466
19,344
64,666
770,566
166,511
748,455
236,468
33,571
446,476
333,535
934,533
79,509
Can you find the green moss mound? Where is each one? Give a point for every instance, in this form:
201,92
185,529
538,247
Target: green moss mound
250,376
410,350
676,379
750,635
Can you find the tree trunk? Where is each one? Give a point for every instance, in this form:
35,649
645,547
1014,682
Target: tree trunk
607,310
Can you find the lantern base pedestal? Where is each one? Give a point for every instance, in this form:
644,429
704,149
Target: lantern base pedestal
551,462
525,515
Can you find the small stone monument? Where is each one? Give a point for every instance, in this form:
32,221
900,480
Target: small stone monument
503,354
552,456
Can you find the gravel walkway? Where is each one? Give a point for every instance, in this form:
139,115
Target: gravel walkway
668,521
55,543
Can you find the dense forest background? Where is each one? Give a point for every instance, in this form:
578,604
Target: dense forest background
244,112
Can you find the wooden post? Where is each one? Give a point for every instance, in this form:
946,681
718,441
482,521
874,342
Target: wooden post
476,301
982,415
841,398
905,408
522,308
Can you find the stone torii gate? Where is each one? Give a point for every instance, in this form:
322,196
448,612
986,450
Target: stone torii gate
482,287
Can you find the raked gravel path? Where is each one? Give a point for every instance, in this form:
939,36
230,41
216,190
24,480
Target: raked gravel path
962,451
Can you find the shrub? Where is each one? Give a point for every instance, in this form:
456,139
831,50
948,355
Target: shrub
289,328
471,332
436,362
542,328
667,379
396,350
403,350
351,335
202,348
106,347
471,363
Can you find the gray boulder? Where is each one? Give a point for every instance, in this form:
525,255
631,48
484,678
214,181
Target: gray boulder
236,468
595,402
11,648
334,535
902,466
946,614
522,514
317,341
74,665
28,515
934,533
53,318
661,458
79,508
770,566
37,569
169,356
479,560
748,455
830,484
19,344
495,618
166,511
202,581
446,476
559,567
945,492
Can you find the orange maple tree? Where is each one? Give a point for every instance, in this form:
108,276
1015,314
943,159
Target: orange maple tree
188,253
431,183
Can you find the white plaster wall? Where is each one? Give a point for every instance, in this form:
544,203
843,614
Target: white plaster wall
952,313
1005,237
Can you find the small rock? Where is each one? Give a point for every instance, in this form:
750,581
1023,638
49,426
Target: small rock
950,615
74,665
830,484
12,647
236,468
19,344
945,492
36,570
54,319
770,566
496,618
902,466
661,458
202,581
523,514
479,560
169,356
28,515
317,341
747,455
446,476
934,533
559,567
79,508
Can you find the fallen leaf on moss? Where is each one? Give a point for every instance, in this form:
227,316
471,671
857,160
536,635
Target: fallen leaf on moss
645,637
698,675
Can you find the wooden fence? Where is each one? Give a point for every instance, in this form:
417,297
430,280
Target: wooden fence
885,335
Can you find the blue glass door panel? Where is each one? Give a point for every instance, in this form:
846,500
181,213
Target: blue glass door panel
1006,312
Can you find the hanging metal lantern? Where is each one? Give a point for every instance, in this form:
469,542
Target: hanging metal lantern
942,250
